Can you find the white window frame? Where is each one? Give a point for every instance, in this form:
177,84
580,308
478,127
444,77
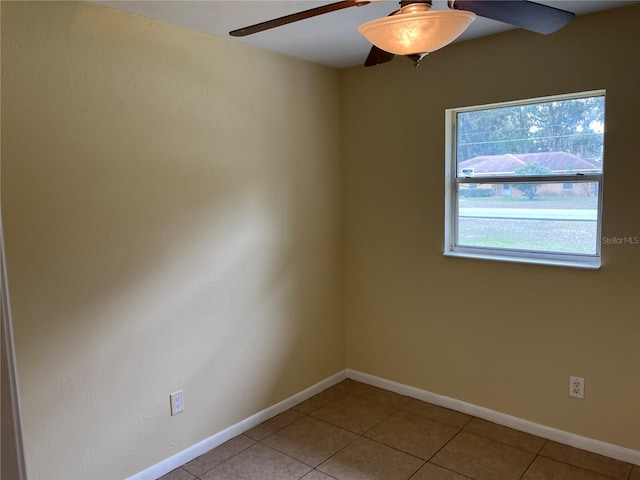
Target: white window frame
452,181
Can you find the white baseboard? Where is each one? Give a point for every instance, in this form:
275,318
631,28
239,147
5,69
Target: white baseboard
188,454
571,439
584,443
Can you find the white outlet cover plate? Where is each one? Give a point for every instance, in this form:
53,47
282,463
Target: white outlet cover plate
576,387
177,402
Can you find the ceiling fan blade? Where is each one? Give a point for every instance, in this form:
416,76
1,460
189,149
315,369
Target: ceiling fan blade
294,17
377,56
521,13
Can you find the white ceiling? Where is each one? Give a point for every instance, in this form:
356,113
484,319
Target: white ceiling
331,39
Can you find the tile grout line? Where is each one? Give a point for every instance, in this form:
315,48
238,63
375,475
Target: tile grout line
402,408
286,454
608,477
363,435
443,468
503,442
398,409
442,448
197,477
358,435
344,393
533,461
309,415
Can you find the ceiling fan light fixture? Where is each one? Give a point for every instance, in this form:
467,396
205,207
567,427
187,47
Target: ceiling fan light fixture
416,31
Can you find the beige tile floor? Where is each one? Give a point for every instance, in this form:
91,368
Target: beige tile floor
355,431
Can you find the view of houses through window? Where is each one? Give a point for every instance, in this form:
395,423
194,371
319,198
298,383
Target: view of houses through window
524,178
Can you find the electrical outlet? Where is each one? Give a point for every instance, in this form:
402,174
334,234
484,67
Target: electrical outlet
177,402
576,387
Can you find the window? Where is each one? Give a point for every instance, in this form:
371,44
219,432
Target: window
524,180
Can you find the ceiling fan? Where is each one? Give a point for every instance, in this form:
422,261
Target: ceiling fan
414,30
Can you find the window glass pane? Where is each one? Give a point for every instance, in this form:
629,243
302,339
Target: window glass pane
554,137
542,217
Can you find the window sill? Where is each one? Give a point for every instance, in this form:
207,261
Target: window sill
585,264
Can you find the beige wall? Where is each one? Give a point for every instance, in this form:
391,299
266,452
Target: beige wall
499,335
172,220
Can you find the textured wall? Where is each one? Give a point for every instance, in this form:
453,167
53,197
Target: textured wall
171,206
503,336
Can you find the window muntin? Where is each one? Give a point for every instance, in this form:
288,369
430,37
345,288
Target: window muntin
524,180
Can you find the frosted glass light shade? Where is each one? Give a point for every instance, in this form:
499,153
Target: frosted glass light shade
421,32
